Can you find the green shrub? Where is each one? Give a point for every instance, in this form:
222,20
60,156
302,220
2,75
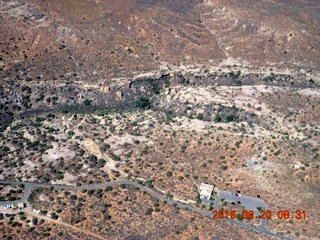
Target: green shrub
54,216
149,211
87,102
229,118
217,118
224,167
200,116
104,147
142,102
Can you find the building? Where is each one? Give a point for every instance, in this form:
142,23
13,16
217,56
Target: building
21,205
205,191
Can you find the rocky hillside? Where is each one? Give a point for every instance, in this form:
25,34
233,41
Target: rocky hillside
57,52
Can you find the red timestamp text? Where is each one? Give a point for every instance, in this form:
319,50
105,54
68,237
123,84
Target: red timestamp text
263,214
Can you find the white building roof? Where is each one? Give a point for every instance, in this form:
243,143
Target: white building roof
205,190
20,205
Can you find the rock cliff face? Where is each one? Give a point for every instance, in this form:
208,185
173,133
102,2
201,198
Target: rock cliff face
50,46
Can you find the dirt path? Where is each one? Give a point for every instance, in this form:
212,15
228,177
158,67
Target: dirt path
205,213
76,229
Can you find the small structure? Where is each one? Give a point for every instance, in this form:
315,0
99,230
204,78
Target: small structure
21,205
205,191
